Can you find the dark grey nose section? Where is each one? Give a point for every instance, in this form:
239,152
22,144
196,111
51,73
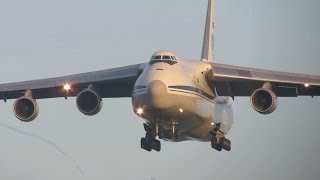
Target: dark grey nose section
158,94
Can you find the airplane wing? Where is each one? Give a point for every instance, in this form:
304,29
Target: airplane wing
116,82
241,81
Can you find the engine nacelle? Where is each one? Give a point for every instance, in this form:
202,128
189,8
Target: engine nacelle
264,101
25,109
89,102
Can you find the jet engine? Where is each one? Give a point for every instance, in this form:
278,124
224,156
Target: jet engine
264,101
89,102
25,109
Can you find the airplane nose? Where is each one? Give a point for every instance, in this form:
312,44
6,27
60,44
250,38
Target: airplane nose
156,88
158,94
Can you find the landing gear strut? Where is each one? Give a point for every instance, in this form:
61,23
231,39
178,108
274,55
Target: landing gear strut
150,142
174,132
219,142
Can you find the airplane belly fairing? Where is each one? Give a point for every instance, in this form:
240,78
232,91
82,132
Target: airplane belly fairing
193,115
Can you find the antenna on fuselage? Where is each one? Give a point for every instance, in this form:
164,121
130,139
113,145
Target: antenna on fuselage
207,47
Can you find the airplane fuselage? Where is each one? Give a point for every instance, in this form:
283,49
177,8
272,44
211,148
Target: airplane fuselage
175,95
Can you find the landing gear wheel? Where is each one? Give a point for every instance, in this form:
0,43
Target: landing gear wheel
225,144
145,145
150,142
215,144
221,143
156,145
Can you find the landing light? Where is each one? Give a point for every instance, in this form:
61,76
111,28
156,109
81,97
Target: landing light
67,87
139,111
212,124
306,85
181,110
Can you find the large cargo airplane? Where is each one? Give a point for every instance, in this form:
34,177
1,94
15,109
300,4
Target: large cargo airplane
179,99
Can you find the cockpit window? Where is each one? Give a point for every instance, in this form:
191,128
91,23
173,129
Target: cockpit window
157,57
166,57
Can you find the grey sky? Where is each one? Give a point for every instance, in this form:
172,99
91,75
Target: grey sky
40,39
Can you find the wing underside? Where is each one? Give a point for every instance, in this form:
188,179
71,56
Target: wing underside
241,81
116,82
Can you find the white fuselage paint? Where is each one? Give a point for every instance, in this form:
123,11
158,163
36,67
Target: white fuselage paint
177,93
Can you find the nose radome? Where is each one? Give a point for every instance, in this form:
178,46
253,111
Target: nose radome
157,87
158,94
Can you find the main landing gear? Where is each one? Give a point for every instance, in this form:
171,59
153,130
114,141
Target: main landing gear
218,141
150,142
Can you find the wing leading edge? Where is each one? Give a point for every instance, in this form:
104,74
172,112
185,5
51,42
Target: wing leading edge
116,82
242,81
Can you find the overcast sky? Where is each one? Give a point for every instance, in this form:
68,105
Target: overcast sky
40,39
